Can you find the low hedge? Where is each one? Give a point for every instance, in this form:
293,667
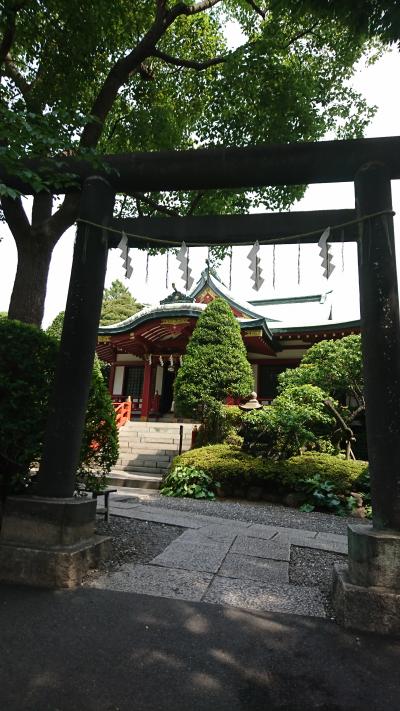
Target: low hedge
227,464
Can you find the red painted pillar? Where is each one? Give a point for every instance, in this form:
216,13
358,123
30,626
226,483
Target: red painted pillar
146,392
111,379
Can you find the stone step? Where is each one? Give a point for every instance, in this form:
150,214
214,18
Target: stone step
147,453
134,452
140,461
155,436
141,469
136,480
145,427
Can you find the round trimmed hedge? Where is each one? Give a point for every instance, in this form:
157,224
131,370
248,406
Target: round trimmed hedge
227,464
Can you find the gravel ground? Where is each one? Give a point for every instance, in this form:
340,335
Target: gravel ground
259,512
133,542
314,569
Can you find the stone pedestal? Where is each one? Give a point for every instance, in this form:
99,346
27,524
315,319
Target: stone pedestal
366,593
49,542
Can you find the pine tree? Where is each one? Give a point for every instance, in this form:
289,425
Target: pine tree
215,364
118,304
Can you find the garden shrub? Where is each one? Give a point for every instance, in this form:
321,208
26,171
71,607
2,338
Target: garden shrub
27,365
227,464
297,420
188,481
215,364
221,424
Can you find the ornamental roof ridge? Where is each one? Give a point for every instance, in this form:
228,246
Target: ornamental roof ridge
209,279
151,311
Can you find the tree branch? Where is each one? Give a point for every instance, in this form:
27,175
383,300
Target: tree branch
11,70
188,63
257,9
181,9
302,34
155,205
64,217
196,200
9,29
16,218
139,207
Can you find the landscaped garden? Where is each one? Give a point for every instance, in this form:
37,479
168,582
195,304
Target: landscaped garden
300,450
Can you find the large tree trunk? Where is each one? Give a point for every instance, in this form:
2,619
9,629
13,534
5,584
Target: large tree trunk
35,244
30,285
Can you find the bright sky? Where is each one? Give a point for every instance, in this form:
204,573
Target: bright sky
376,84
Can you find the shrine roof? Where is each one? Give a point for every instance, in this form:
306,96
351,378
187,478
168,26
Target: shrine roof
177,305
153,312
209,280
326,325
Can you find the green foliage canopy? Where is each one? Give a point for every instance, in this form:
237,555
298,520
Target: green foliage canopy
372,18
84,79
215,364
27,364
334,366
296,421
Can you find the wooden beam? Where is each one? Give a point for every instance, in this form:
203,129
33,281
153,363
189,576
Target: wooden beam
235,229
235,168
380,337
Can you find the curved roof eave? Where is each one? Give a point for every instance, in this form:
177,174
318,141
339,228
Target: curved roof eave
153,312
327,326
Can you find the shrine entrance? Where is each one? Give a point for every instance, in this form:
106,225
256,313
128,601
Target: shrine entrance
167,392
370,586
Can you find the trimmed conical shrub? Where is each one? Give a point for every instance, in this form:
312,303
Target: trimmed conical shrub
215,364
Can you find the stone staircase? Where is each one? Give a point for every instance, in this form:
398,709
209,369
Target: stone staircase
146,450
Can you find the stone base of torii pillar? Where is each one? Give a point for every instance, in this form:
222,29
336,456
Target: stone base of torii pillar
366,593
47,542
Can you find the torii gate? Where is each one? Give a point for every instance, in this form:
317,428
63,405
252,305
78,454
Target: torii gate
367,595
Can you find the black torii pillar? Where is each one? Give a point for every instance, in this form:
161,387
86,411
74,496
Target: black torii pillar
78,343
48,539
367,593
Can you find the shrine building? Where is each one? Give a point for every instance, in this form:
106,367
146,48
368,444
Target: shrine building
146,350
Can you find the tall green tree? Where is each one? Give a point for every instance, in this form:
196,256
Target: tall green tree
371,18
118,304
87,78
215,364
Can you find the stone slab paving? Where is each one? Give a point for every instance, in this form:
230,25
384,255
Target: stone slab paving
222,561
198,555
155,580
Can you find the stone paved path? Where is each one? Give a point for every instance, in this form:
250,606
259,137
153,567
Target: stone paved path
222,561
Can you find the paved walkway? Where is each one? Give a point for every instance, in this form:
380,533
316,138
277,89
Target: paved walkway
222,561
